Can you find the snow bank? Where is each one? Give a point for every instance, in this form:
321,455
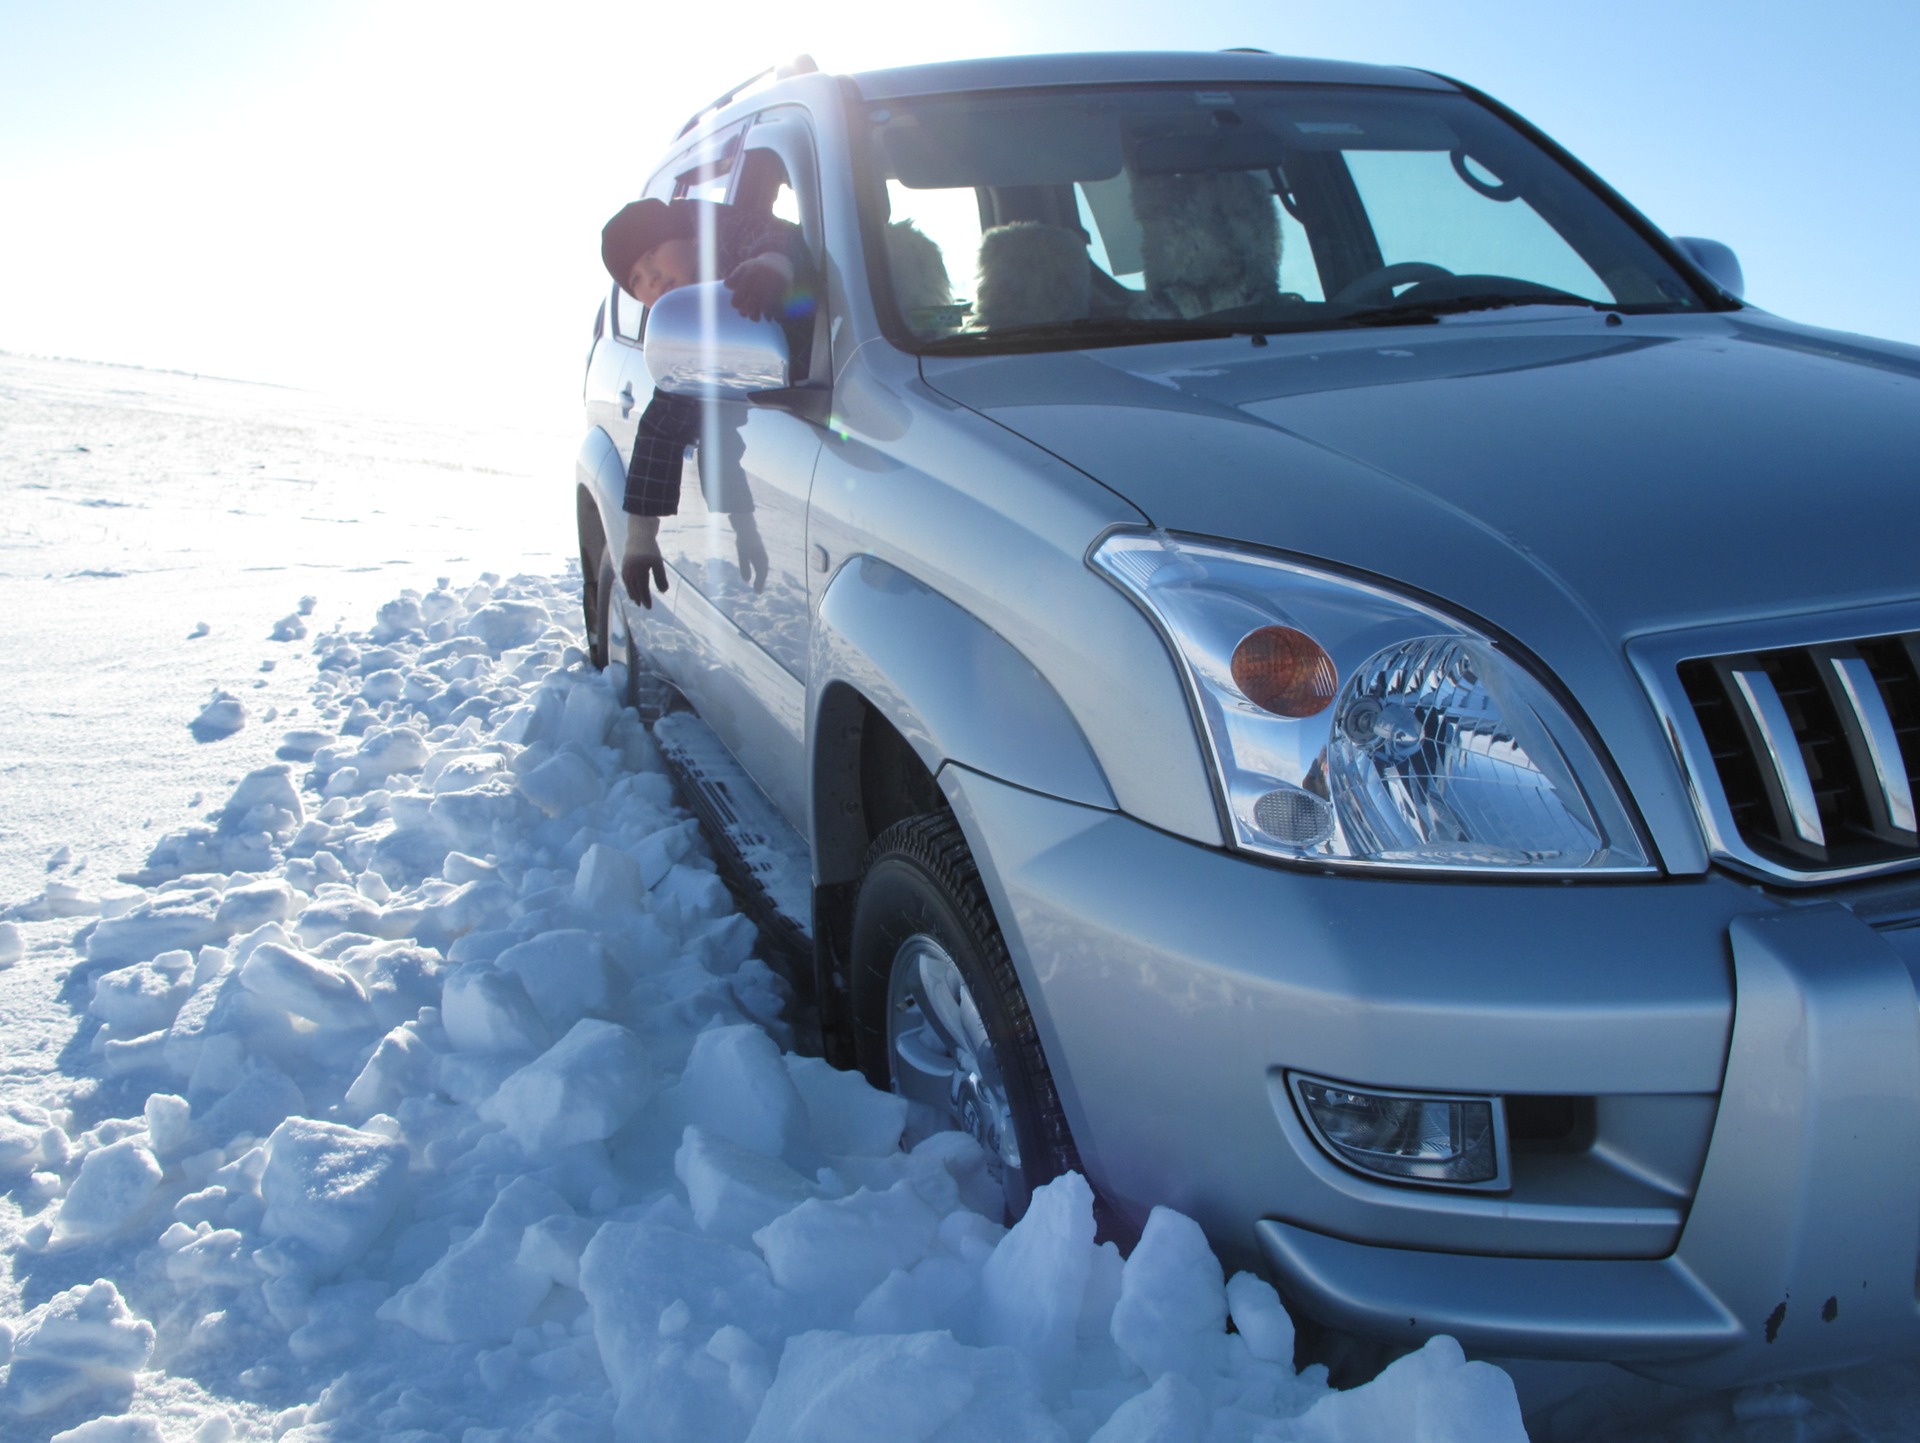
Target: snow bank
466,1116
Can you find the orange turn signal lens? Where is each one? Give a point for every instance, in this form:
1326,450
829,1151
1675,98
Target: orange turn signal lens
1284,671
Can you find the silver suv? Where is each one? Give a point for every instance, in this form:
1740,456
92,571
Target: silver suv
1310,663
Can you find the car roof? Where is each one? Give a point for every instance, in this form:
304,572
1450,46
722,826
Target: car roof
1022,71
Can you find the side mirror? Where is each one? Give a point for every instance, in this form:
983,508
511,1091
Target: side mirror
1719,262
697,344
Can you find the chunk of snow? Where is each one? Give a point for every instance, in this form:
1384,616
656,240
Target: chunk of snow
737,1088
832,1252
383,686
254,904
305,986
609,882
23,1146
733,1192
398,617
145,996
567,973
396,1070
1173,1301
1032,1287
503,625
1260,1318
221,717
589,712
169,922
633,1271
84,1341
842,1388
564,782
397,751
169,1120
1171,1411
114,1185
13,946
487,1010
336,1318
580,1090
252,1098
300,744
480,1291
330,1188
1434,1395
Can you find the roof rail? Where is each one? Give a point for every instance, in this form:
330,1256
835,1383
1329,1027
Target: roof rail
799,65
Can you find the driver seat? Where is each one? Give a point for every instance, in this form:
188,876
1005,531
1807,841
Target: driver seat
1209,240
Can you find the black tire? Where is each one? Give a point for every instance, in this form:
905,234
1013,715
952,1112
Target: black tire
597,593
920,886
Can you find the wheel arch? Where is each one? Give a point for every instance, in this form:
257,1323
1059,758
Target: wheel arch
903,681
901,673
599,482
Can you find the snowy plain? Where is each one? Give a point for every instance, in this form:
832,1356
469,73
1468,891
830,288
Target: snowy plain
382,1057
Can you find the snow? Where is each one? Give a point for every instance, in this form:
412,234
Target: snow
83,1343
430,1086
329,1191
460,1071
220,717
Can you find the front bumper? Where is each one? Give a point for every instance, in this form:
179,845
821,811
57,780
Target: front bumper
1745,1205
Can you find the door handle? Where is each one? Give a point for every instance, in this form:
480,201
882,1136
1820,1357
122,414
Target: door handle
626,400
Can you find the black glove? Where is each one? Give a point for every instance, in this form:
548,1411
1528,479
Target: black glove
757,286
641,564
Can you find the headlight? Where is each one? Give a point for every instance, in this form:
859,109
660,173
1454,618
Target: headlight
1351,725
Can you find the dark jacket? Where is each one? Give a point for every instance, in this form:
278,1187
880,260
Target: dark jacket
670,424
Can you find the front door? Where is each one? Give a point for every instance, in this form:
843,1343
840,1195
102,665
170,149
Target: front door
739,541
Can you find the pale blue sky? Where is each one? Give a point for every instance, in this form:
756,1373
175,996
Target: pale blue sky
405,198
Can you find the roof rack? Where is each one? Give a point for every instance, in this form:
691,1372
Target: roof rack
799,65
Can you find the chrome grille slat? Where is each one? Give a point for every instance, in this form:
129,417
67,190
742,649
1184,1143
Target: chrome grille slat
1882,744
1783,752
1802,757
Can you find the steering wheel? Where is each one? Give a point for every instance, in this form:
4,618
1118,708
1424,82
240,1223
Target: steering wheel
1375,288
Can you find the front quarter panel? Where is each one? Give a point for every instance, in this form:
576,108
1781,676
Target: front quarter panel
966,515
953,688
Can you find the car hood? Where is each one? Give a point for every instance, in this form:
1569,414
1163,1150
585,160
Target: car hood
1646,474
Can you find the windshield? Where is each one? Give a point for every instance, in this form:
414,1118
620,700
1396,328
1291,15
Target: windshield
1105,216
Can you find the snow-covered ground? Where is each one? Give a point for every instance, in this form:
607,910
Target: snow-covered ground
381,1056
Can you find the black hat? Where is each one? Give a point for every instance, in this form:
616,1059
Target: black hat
640,226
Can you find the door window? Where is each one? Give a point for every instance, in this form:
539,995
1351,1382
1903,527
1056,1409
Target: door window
629,316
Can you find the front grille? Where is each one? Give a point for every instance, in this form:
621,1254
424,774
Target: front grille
1817,749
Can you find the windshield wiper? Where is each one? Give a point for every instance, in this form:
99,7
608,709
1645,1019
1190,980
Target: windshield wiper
1102,331
1422,312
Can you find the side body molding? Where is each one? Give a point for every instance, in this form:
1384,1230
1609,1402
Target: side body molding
950,685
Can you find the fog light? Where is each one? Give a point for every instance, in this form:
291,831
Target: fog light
1407,1136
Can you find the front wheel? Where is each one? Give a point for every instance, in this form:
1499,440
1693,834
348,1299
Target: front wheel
939,1014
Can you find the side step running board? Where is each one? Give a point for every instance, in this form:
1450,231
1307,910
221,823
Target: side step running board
764,861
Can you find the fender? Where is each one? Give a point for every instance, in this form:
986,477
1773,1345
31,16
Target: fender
950,685
599,471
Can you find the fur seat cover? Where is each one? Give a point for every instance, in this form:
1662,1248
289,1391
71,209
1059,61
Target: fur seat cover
1209,241
919,270
1031,274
